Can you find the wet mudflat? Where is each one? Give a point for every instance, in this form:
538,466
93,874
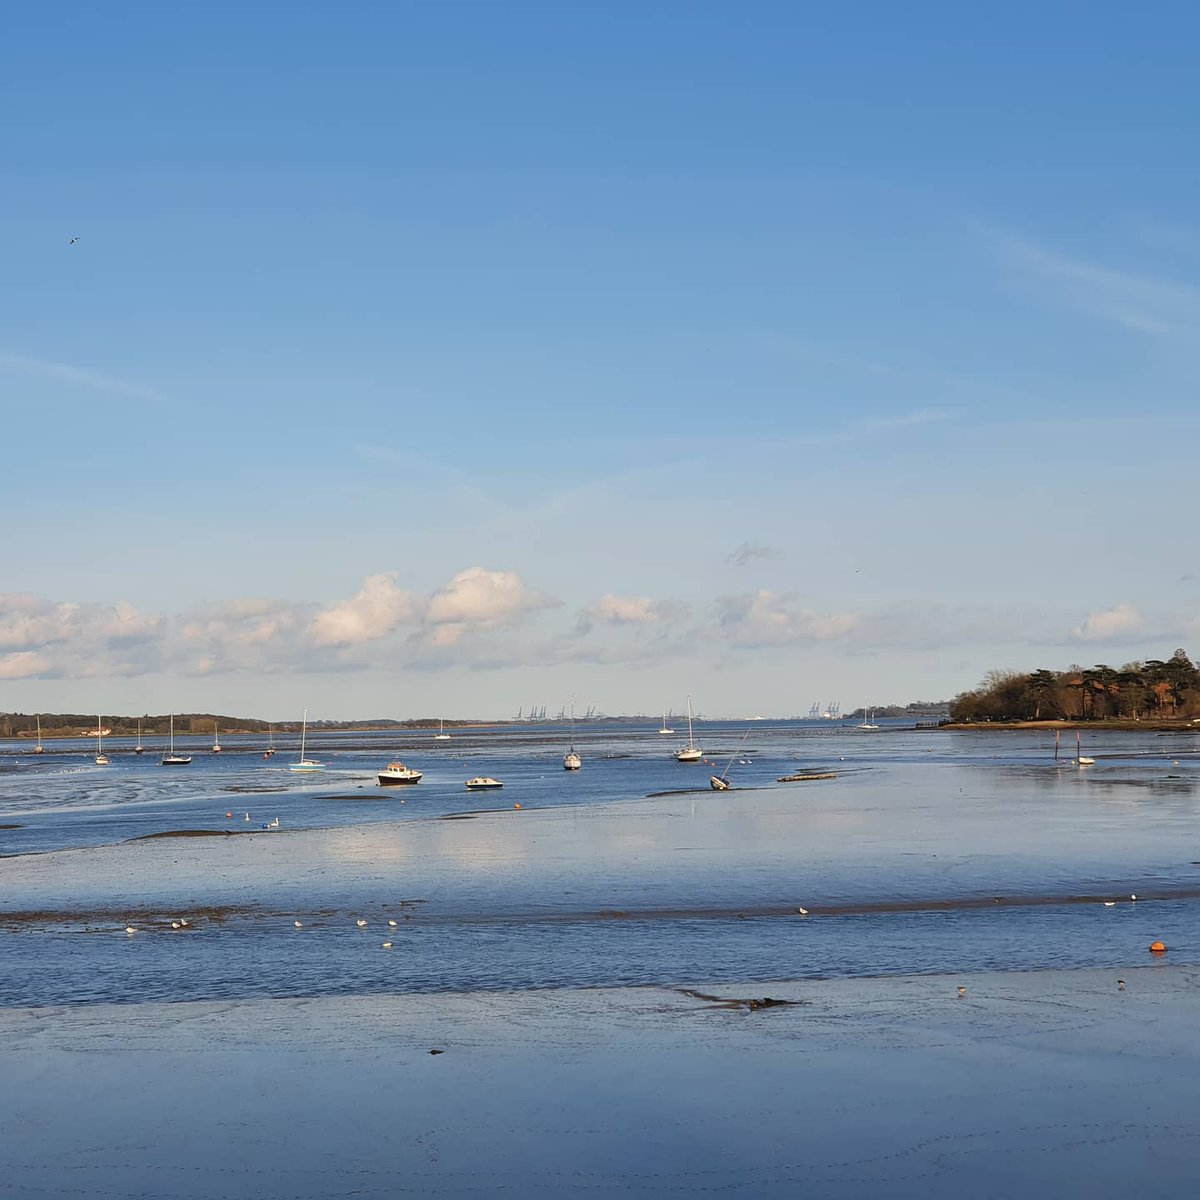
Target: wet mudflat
1049,1082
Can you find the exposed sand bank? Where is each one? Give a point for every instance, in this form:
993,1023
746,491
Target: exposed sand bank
1048,1083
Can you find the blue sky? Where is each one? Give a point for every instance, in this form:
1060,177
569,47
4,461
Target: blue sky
454,357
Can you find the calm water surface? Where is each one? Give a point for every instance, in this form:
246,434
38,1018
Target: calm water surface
931,851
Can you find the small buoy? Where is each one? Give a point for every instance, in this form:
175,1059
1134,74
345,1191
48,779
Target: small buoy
360,923
297,925
1158,947
514,806
229,814
387,945
1133,897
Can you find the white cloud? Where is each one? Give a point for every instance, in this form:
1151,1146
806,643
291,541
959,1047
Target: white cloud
24,664
480,597
765,618
625,610
378,608
1108,624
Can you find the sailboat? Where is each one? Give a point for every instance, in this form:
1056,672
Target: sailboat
305,764
441,735
571,760
691,752
1081,759
270,750
665,727
139,748
101,757
171,759
866,722
216,738
720,783
39,748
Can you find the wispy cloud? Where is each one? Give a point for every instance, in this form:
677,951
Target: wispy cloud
1142,303
67,373
748,551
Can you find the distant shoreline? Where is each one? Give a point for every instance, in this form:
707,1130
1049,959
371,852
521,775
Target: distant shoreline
1159,725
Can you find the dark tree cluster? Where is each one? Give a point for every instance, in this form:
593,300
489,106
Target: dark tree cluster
1154,689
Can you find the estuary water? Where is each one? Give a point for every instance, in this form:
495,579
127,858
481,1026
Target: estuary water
931,851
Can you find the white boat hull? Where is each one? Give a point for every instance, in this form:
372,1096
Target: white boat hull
483,784
689,754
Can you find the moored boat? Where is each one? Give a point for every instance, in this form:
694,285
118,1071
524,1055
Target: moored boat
396,773
483,783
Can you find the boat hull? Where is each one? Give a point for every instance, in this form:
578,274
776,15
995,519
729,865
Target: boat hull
395,779
688,756
175,760
483,785
718,784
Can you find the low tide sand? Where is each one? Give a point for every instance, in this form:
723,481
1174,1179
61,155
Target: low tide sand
1044,1083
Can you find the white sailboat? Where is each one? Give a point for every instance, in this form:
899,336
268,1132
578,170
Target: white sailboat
441,735
139,748
571,760
101,757
39,748
216,738
691,752
305,764
171,759
665,727
270,750
866,723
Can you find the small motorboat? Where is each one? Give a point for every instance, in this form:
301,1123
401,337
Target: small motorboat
483,783
397,772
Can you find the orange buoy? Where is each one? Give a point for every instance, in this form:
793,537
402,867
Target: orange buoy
516,806
1158,947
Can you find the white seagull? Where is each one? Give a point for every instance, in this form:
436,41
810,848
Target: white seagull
391,922
130,929
387,945
297,925
361,923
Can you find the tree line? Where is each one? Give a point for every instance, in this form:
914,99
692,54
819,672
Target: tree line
1156,689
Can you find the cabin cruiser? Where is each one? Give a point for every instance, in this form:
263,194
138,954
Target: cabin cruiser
397,772
483,783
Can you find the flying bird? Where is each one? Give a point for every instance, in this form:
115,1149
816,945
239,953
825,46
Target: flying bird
72,241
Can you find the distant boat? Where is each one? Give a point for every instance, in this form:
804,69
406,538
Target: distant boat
305,764
101,757
216,738
691,752
441,735
483,783
139,748
39,748
270,750
866,723
665,727
720,783
1079,758
571,760
396,773
171,759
